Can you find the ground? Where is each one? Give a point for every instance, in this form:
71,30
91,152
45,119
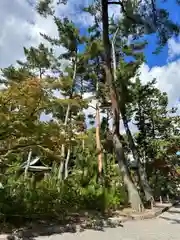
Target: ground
164,227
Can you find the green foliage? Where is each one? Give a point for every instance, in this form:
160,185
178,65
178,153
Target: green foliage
45,7
158,136
49,198
38,59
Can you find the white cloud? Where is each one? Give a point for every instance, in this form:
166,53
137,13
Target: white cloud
21,25
73,9
174,48
168,79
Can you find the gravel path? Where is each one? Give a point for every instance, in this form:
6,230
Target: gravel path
164,227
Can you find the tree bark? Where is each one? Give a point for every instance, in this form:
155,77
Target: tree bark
134,197
142,176
66,163
61,166
98,142
133,194
61,170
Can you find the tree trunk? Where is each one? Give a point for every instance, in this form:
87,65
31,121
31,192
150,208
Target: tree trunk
61,166
98,142
66,163
83,144
142,176
133,194
61,170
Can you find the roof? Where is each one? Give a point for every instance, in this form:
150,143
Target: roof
34,168
38,168
32,162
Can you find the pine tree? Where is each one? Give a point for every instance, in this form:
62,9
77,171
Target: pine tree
134,197
68,82
122,77
38,60
157,132
45,7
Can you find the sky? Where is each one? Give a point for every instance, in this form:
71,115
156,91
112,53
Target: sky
21,25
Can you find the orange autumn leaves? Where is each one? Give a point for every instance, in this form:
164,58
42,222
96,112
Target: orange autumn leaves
25,97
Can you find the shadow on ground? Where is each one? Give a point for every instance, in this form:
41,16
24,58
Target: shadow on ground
173,220
45,228
173,214
77,223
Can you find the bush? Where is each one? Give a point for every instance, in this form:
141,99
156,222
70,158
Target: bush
50,198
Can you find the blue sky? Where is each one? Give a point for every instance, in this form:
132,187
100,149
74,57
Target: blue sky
161,59
158,64
15,8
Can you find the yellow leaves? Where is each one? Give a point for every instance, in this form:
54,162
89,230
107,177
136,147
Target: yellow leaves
20,108
31,90
177,169
82,136
26,94
32,85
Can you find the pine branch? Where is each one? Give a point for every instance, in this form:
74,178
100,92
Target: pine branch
50,153
138,19
124,11
15,148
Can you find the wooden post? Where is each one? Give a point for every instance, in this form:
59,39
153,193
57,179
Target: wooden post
160,199
28,164
141,208
168,198
152,204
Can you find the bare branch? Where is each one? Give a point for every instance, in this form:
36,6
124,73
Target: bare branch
50,153
15,148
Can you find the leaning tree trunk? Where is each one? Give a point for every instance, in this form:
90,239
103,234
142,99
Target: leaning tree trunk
142,176
133,194
134,197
